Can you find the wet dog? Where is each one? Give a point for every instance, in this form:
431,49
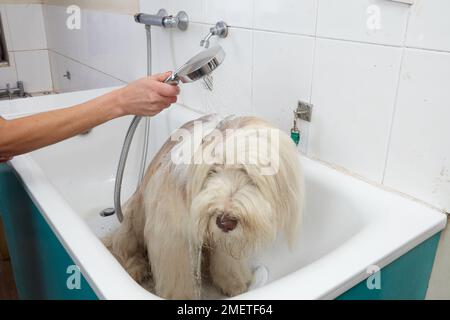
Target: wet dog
217,193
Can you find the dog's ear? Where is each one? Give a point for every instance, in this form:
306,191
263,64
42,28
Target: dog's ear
284,188
291,184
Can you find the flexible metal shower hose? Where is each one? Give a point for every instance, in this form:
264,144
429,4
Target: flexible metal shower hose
129,138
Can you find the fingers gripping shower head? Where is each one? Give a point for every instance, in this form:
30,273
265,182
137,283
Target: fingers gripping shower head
199,66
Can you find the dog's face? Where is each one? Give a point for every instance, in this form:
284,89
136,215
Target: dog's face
236,205
232,211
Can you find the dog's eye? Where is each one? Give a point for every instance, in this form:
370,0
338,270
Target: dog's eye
212,172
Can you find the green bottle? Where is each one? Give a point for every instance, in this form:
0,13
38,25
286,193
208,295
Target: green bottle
295,136
295,133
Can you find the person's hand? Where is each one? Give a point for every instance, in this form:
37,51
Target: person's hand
147,96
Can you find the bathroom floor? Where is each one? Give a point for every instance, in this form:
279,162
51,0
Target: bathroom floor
7,286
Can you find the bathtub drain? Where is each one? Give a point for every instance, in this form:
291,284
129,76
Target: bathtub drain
107,212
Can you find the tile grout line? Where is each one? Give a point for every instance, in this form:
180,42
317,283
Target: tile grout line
395,103
88,66
394,111
15,65
252,77
312,74
330,38
28,50
44,22
9,26
426,49
52,67
314,54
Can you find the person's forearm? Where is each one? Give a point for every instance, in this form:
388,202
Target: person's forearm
29,133
143,97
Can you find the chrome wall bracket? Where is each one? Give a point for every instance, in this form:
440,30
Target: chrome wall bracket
220,30
303,111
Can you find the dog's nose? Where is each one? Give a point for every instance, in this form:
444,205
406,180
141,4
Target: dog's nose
226,222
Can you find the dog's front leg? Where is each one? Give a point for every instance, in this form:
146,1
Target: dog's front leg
171,267
231,275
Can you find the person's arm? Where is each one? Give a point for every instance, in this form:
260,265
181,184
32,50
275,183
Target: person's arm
145,97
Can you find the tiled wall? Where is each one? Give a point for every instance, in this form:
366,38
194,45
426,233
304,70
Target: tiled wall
109,49
27,45
380,96
116,6
381,102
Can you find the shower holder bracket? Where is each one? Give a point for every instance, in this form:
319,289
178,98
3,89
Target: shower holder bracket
303,111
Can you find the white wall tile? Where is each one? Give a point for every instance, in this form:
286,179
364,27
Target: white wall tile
236,13
9,74
26,26
419,157
59,67
112,43
233,79
354,90
171,49
353,83
33,68
353,20
82,77
53,23
59,38
291,16
115,45
281,75
429,25
194,8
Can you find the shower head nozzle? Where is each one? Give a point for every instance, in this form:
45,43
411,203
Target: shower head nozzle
199,66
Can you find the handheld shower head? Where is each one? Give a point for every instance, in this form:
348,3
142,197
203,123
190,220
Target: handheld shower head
199,66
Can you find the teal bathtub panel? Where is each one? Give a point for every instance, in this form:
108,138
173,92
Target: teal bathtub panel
39,260
405,278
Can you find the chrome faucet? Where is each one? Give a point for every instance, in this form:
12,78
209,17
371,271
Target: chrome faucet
220,30
10,92
162,19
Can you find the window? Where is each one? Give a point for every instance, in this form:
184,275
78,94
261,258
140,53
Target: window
4,57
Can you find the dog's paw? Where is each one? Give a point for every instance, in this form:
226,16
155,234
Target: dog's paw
233,288
232,285
138,268
186,292
229,275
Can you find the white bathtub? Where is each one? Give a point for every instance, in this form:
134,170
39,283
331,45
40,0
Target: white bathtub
349,224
